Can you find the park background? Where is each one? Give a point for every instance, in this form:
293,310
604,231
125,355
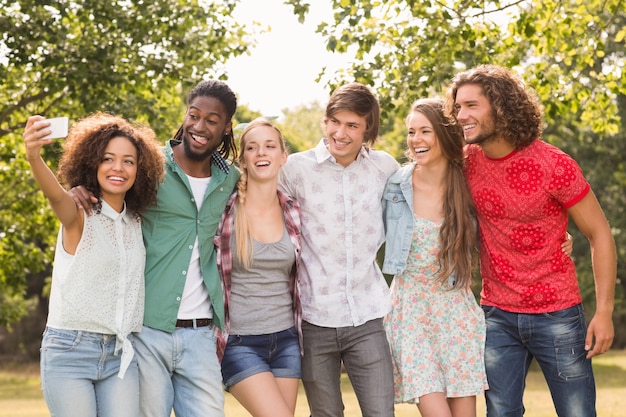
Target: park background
139,59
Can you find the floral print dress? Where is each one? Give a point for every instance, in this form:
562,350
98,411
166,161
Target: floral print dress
437,335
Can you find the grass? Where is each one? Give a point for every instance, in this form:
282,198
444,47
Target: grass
20,393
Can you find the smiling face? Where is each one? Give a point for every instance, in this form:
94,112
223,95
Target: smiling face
118,169
422,141
345,132
263,153
205,124
475,115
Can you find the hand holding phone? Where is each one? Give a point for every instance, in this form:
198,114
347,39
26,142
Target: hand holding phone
59,127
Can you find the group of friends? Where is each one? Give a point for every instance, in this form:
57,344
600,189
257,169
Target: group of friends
202,266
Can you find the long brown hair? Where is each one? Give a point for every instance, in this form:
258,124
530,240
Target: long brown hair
458,236
243,237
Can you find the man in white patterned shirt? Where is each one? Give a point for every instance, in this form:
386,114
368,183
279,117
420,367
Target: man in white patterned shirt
344,295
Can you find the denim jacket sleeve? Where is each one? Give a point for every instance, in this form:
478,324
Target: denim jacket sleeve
398,219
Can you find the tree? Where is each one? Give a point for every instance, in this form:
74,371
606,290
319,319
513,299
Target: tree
571,52
562,48
128,57
244,115
302,126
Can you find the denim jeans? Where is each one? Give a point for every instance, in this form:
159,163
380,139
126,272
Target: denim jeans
79,376
557,341
278,353
365,354
179,370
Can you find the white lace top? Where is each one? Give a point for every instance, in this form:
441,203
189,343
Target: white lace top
100,289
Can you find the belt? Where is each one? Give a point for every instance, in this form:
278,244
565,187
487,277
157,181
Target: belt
194,323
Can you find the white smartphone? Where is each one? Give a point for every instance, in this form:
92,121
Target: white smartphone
59,127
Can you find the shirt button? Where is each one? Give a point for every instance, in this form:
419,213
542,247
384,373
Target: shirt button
177,298
184,272
395,198
190,246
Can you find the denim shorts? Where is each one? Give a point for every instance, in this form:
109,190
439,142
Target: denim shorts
278,353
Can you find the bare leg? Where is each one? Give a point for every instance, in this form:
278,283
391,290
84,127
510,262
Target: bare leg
434,404
265,396
289,389
463,406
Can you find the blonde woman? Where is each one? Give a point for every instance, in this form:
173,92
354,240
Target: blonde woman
258,248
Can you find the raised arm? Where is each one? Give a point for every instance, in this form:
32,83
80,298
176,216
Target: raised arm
60,201
590,219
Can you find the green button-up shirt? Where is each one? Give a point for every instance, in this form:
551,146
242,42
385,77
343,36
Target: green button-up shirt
169,232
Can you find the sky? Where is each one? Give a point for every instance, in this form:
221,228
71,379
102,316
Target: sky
281,70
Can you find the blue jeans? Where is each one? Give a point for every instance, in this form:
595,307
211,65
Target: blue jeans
278,353
179,370
557,341
79,376
366,356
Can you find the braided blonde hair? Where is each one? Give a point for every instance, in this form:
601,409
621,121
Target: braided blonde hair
243,237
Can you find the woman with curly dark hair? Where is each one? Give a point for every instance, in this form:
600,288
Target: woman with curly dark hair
88,366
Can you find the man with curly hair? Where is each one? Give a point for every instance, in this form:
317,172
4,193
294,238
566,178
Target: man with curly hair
525,190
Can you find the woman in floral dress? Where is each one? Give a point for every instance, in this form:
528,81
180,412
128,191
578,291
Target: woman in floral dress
436,329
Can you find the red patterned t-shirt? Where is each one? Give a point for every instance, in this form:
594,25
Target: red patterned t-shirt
522,201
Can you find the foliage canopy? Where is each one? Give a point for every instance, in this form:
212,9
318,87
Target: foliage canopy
130,57
571,52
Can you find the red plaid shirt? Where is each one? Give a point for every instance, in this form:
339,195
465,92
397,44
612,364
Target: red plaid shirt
291,214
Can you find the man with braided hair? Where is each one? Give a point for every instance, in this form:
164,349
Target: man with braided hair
176,349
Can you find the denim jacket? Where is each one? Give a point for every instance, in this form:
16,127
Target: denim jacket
398,219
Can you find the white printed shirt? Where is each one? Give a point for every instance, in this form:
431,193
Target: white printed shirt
342,230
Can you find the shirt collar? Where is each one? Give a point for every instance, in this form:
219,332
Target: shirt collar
109,212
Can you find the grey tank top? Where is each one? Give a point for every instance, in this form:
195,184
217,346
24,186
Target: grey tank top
260,301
